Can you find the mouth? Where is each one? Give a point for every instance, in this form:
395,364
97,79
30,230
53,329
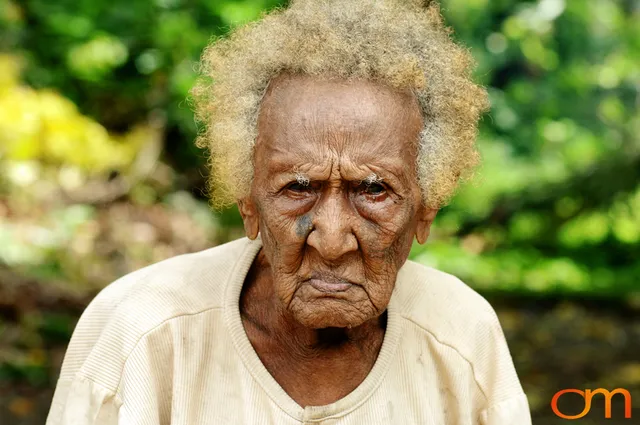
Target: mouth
325,283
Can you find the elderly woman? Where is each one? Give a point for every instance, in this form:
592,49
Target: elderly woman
339,128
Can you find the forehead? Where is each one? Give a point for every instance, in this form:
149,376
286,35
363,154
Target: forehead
305,117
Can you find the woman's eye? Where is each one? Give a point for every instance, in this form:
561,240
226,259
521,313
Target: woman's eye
302,188
298,187
374,189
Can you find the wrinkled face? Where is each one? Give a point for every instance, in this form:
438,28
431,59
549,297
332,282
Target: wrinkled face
335,195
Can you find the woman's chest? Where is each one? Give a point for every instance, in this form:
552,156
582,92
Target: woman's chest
215,385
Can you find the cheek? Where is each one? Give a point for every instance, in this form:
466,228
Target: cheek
388,228
278,227
283,239
386,244
375,211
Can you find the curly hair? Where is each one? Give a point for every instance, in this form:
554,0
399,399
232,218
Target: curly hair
401,43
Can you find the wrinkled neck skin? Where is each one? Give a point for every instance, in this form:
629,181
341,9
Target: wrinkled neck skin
263,312
314,366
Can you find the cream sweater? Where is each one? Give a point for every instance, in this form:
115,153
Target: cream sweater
166,345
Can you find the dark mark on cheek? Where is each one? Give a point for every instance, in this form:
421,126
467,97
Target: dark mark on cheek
303,225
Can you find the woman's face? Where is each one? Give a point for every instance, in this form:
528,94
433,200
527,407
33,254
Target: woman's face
335,195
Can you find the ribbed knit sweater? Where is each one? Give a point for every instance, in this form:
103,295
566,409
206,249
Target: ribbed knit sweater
166,345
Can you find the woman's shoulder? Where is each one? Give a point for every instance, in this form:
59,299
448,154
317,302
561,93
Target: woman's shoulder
447,310
460,324
185,282
427,292
179,285
133,306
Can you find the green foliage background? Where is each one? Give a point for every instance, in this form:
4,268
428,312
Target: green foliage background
99,175
556,206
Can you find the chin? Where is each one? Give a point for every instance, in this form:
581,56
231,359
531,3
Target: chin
330,315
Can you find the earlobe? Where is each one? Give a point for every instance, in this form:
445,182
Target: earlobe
250,217
423,227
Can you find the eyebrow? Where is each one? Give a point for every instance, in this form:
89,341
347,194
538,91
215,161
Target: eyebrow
372,178
304,179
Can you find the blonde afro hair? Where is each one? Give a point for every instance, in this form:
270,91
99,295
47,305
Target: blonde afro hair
402,43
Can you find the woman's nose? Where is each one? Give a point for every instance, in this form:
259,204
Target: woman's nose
332,235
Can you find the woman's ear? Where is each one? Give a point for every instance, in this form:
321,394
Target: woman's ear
250,217
425,219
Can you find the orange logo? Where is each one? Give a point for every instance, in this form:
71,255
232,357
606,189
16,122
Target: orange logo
588,395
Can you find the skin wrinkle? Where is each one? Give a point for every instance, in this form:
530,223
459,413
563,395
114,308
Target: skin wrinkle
334,229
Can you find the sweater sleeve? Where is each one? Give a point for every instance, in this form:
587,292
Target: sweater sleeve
83,402
78,399
508,412
507,403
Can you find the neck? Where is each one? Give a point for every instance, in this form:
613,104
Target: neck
269,319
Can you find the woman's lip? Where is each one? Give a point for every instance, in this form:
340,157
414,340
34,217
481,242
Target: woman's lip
324,286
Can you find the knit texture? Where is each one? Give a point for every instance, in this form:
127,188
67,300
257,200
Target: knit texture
165,345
